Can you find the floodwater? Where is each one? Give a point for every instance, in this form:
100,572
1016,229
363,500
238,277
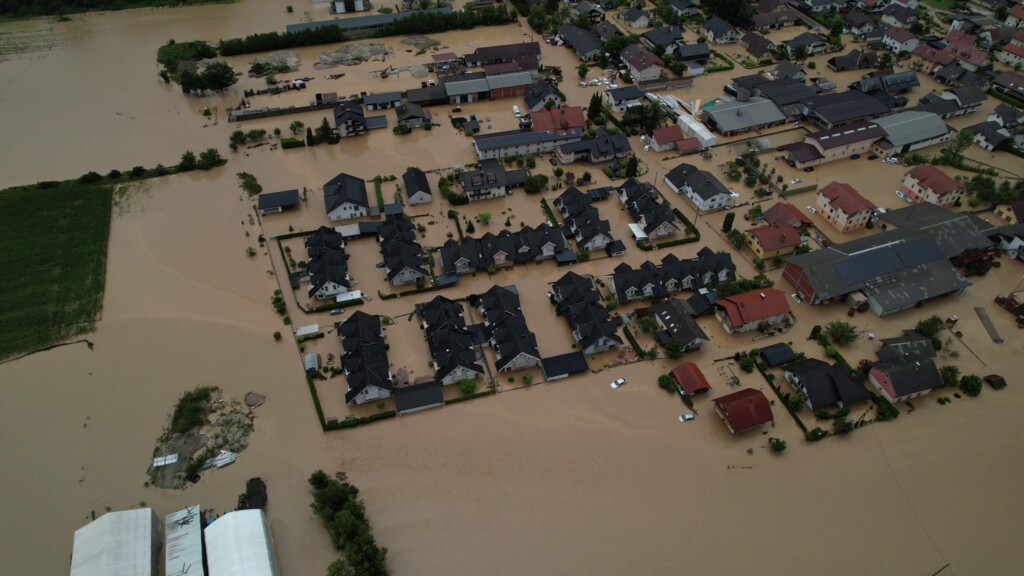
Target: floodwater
564,477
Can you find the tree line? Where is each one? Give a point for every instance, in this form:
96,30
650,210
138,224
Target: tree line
342,512
268,41
26,8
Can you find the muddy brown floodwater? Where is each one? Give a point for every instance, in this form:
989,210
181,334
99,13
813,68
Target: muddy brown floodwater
559,478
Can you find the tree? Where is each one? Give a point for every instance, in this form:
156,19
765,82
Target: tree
188,162
277,336
971,384
296,126
595,109
667,383
776,444
747,363
470,228
674,348
841,426
310,140
953,154
842,333
736,238
645,117
727,223
549,104
216,76
484,217
631,166
209,158
735,12
647,323
582,69
527,378
756,211
324,132
467,387
616,43
535,183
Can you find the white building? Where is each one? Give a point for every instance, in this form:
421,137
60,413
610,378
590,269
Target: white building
184,534
239,543
125,543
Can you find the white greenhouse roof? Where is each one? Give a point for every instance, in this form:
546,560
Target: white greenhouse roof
125,543
184,535
239,544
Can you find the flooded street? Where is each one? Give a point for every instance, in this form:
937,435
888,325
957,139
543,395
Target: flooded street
568,477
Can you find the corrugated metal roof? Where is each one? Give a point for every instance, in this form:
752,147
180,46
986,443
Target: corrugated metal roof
907,127
183,532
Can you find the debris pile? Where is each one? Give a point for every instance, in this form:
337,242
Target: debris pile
353,54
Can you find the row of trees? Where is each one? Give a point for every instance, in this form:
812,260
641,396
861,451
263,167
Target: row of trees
279,41
215,76
26,8
336,502
433,22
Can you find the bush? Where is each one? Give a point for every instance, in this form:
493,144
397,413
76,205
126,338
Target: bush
747,364
727,224
842,426
114,175
89,178
971,385
467,386
884,410
815,434
277,336
667,383
287,143
842,333
776,444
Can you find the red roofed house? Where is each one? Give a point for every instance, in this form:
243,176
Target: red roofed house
1012,54
665,138
1012,212
899,40
689,146
782,213
773,240
844,207
931,58
744,409
559,119
969,56
690,379
757,309
1015,16
926,183
644,66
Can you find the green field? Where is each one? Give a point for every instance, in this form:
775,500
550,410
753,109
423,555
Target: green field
53,263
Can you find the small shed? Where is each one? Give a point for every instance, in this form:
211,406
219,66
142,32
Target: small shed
995,381
307,330
277,202
615,248
777,354
565,257
312,362
409,399
564,365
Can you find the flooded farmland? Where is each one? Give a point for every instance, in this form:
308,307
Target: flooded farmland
567,477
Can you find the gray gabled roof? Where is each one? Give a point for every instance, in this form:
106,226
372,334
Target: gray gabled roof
283,199
415,180
345,188
583,42
739,115
382,98
540,91
717,26
912,126
626,93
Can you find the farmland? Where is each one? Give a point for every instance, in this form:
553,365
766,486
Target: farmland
54,261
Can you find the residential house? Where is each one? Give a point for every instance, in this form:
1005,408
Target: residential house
345,197
744,410
969,56
819,6
1012,212
578,301
654,218
807,42
328,274
760,48
563,119
643,66
503,53
403,255
689,379
701,187
522,142
910,342
665,138
653,281
412,115
582,221
989,135
1015,16
910,130
754,310
276,202
451,344
1012,55
1006,116
605,30
514,345
739,116
593,12
773,240
898,16
950,103
775,20
365,359
603,147
833,144
927,183
854,60
787,69
693,56
822,385
676,324
491,180
586,44
506,248
417,188
323,239
540,93
899,40
844,207
382,101
1011,85
684,8
895,83
666,37
929,59
635,18
619,99
902,378
777,354
858,23
718,31
788,95
349,119
783,213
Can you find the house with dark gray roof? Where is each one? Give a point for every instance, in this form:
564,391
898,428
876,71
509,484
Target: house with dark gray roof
365,359
491,180
665,37
540,92
328,274
345,197
675,323
950,103
578,301
699,186
719,31
382,100
787,69
585,43
654,217
606,30
451,344
503,53
522,142
603,147
895,83
758,46
412,115
635,18
619,99
741,116
684,8
904,377
417,188
787,94
841,108
514,345
276,202
323,239
807,41
653,281
909,343
854,60
503,249
403,255
824,385
582,221
349,119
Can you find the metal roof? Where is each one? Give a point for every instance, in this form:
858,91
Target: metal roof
509,80
124,542
382,98
737,116
912,126
184,534
498,140
239,544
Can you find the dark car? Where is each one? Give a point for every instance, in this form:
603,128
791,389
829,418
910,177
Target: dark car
873,157
553,162
809,169
855,157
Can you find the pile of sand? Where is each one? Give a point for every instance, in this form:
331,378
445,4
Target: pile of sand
280,58
353,54
420,42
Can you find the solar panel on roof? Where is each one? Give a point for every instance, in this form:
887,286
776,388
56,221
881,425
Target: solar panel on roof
862,267
918,251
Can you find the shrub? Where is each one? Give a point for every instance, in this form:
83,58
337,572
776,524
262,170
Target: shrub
776,444
89,178
287,143
528,378
277,336
467,386
138,172
667,383
747,364
114,175
884,410
842,426
815,434
971,385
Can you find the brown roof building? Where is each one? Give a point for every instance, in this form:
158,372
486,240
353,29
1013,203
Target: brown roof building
844,207
690,379
744,409
559,119
783,213
926,183
773,240
833,144
753,310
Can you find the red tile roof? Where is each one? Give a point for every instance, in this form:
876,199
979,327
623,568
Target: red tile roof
558,119
900,35
688,145
643,60
1014,49
927,53
754,306
690,378
1017,11
844,198
744,409
930,177
666,134
775,236
783,213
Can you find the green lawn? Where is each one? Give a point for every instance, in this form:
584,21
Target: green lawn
53,263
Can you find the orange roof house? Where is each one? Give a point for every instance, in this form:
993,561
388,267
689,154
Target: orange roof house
690,379
744,409
753,310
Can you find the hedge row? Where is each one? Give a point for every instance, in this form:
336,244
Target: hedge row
690,227
287,143
316,402
294,235
488,392
632,342
353,422
782,399
333,305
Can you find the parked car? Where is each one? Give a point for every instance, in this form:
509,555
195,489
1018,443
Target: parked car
873,157
812,210
687,417
809,169
553,161
337,311
797,297
618,383
890,160
795,181
516,111
901,194
855,157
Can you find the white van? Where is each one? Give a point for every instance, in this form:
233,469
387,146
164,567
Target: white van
516,111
